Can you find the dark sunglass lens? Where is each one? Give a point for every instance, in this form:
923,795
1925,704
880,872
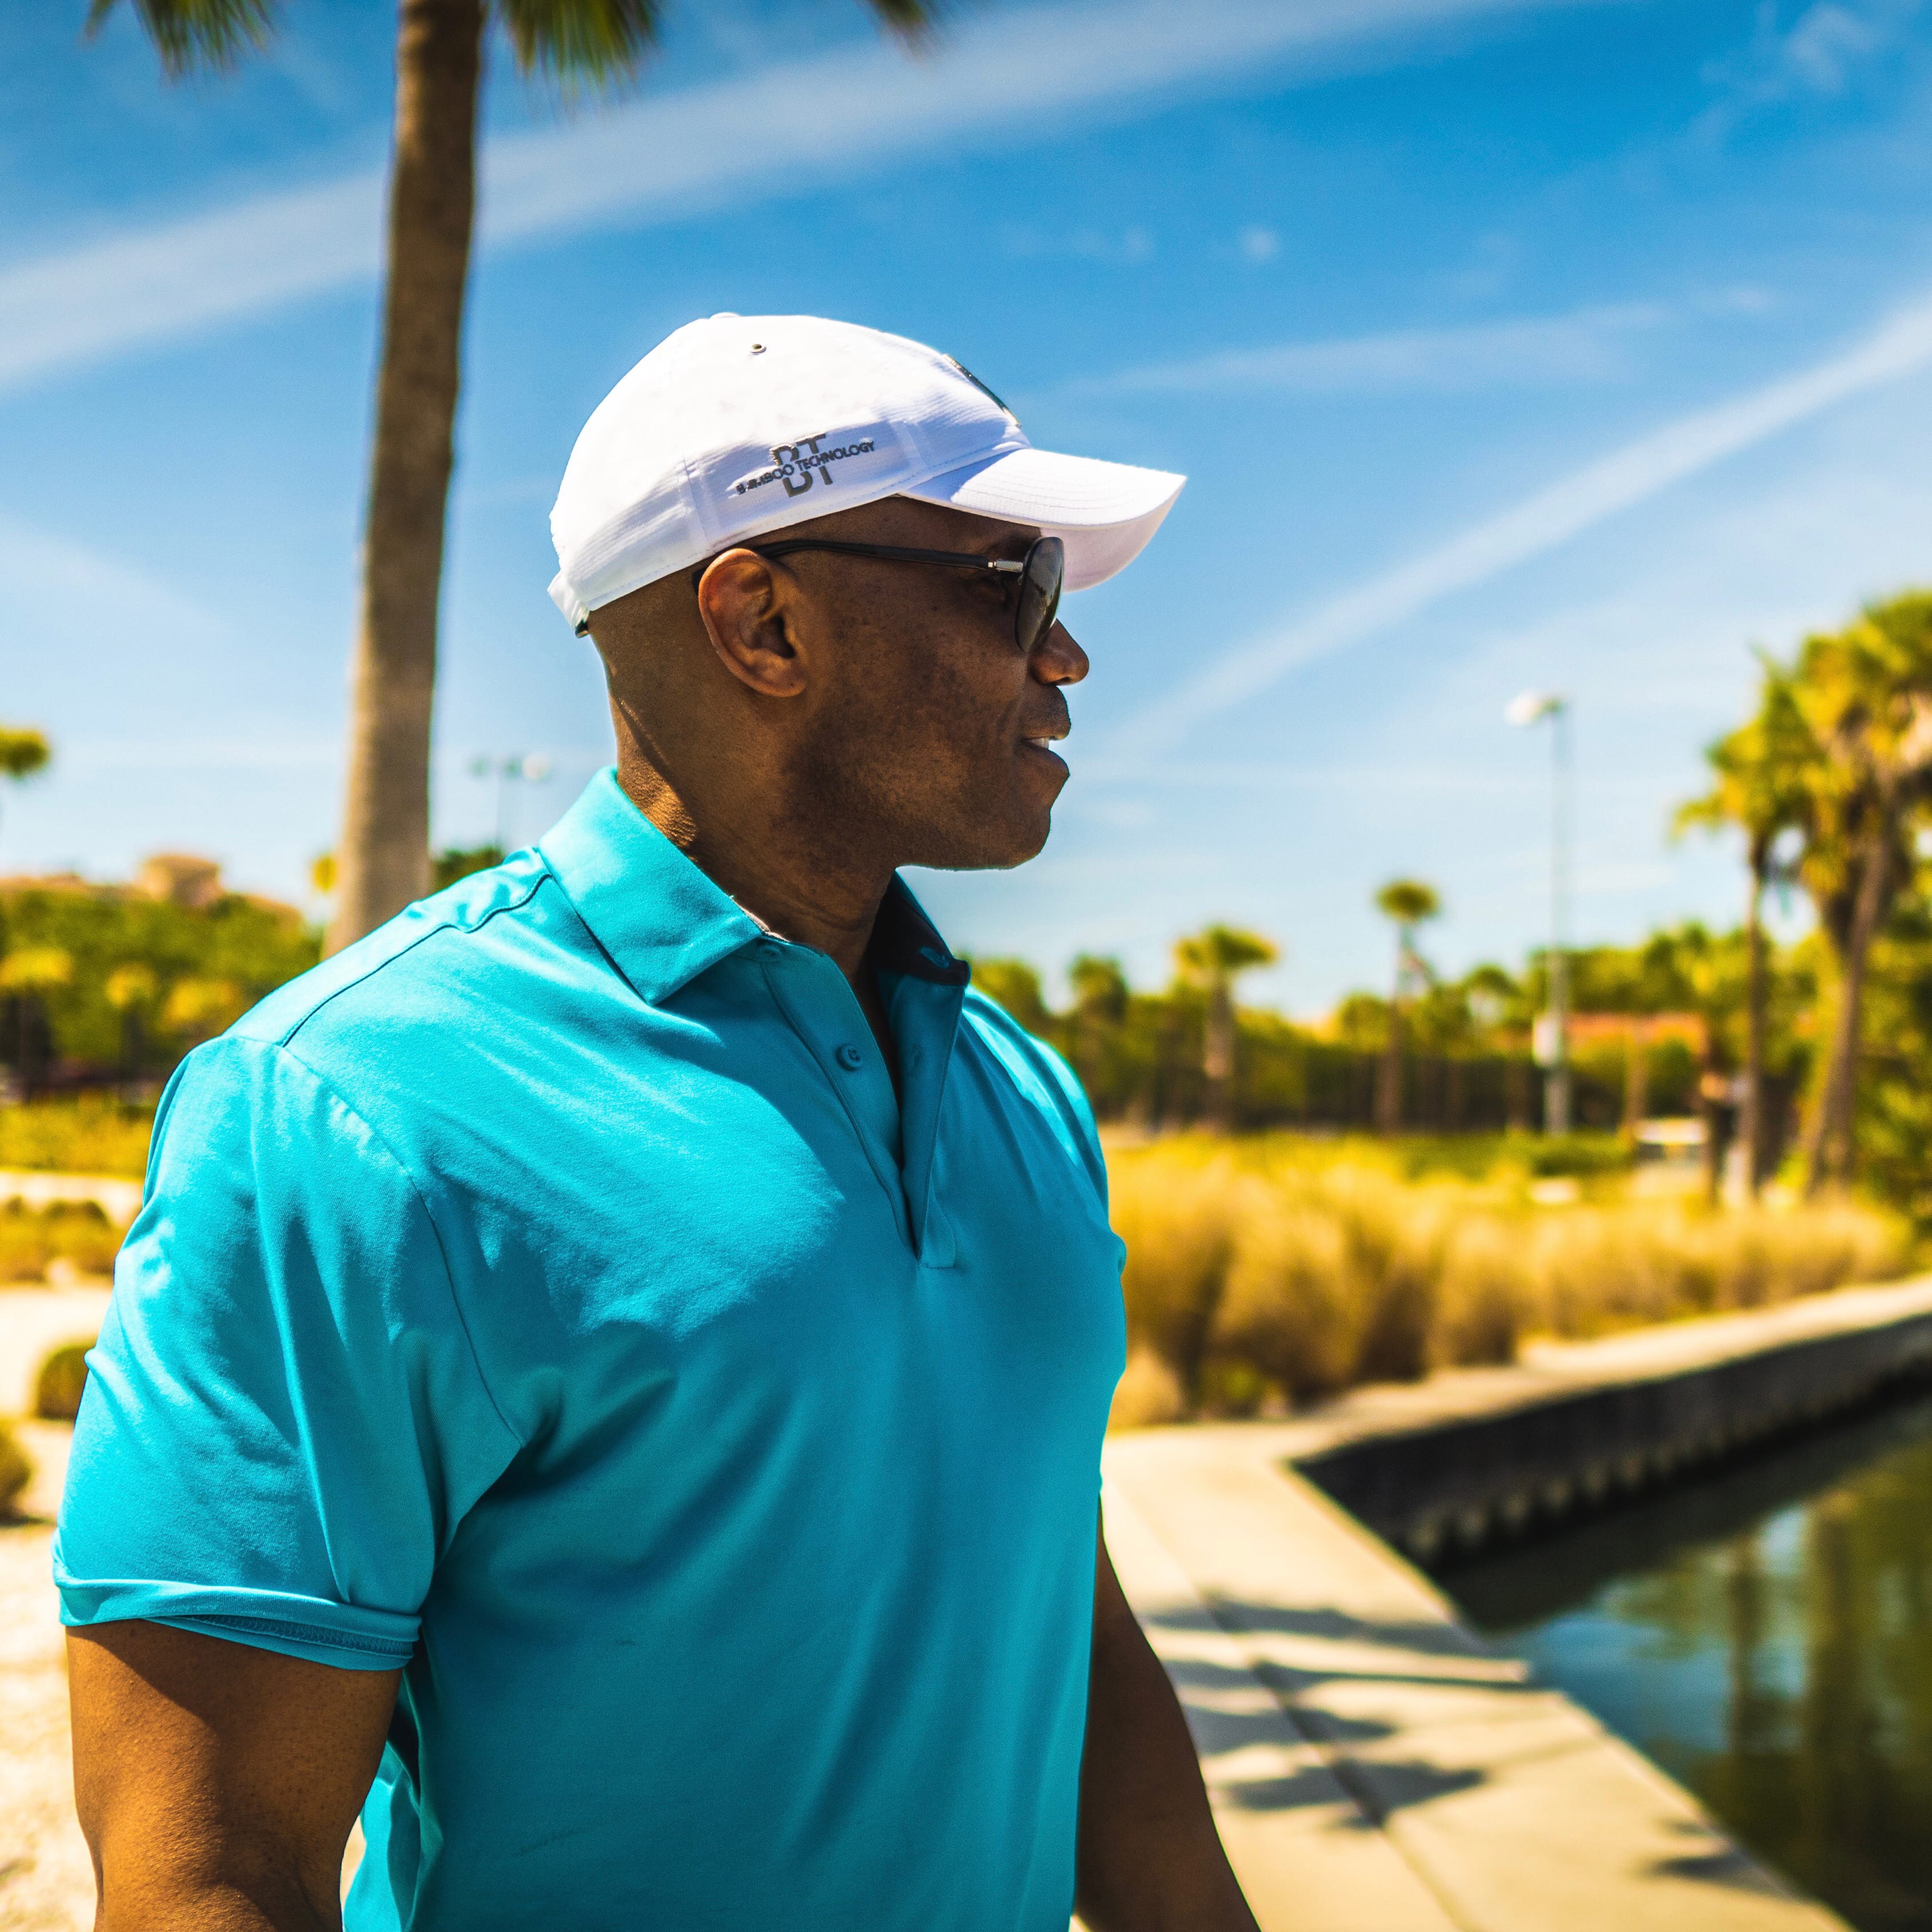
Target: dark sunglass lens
1039,593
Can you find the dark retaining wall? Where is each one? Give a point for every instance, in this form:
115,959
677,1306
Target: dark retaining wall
1456,1487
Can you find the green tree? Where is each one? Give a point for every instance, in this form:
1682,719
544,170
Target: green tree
27,975
384,850
1015,985
1097,1025
1866,695
1408,903
1767,775
1691,969
1213,959
23,751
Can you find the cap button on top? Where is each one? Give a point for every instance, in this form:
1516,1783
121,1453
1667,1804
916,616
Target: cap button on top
850,1057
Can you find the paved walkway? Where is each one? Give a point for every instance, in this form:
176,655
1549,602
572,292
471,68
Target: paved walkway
1374,1768
47,1880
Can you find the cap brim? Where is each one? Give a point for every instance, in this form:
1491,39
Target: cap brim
1103,512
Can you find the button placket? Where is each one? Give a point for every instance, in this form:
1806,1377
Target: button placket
843,1074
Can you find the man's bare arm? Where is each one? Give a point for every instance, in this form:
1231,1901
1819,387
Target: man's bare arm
216,1783
1150,1858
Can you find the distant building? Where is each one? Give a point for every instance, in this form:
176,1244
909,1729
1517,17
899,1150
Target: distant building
1588,1030
181,878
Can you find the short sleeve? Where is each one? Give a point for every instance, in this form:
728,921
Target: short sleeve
284,1422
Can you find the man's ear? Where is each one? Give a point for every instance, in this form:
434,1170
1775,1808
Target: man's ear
747,602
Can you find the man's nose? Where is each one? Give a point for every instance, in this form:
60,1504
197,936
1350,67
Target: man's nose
1057,659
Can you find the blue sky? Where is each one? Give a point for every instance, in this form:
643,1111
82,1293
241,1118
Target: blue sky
1582,344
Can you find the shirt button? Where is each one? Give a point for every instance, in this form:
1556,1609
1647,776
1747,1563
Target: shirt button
850,1057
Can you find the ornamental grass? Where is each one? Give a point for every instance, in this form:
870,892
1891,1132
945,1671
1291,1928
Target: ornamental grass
1264,1274
66,1238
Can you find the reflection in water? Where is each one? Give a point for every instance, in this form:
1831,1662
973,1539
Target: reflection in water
1766,1636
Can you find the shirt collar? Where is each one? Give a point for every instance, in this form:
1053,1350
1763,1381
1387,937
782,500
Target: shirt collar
663,922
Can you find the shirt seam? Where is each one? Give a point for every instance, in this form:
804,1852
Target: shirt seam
396,1161
285,1039
318,1634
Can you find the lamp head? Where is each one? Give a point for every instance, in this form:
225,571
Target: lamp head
1531,707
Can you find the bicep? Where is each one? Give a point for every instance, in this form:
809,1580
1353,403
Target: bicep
204,1768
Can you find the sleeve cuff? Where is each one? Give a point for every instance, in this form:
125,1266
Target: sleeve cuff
345,1635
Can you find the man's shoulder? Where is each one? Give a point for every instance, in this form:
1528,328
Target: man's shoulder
440,956
1039,1076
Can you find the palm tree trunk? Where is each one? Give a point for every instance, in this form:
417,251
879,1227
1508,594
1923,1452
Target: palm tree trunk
1388,1076
1829,1155
383,861
1218,1061
1388,1073
1637,1077
1750,1115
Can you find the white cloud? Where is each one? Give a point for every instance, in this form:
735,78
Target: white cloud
781,132
73,586
1122,248
1819,53
1258,244
1539,523
1588,346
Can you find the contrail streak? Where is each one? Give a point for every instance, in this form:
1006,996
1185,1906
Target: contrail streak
1540,523
786,131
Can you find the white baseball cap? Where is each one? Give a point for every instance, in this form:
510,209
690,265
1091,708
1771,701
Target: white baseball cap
738,425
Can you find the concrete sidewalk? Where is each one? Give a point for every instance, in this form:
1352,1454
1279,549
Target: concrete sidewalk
1373,1767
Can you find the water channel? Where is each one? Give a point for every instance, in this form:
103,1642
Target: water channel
1765,1635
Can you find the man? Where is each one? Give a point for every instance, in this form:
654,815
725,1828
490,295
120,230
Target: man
617,1359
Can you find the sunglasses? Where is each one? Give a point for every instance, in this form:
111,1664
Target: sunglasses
1038,575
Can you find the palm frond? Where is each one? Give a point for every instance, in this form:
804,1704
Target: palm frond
191,33
916,21
572,42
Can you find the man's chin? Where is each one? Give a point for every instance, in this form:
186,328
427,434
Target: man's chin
974,851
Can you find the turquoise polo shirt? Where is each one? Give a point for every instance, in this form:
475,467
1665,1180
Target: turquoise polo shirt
550,1295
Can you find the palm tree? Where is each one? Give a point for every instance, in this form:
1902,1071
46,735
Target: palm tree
1099,1010
383,853
28,973
131,990
1213,958
1866,695
23,751
1767,774
1408,902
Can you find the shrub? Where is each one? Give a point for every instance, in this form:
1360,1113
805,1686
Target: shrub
1484,1296
14,1470
1147,1393
1272,1270
57,1388
1178,1221
76,1232
88,1135
1287,1310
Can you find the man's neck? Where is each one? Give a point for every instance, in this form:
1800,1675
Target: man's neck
775,878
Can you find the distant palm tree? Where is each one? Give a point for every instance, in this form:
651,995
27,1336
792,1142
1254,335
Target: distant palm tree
23,751
1866,695
1408,902
27,975
1767,774
383,853
1213,958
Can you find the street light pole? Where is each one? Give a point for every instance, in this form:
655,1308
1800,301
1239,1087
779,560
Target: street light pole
1532,708
532,767
1556,1094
